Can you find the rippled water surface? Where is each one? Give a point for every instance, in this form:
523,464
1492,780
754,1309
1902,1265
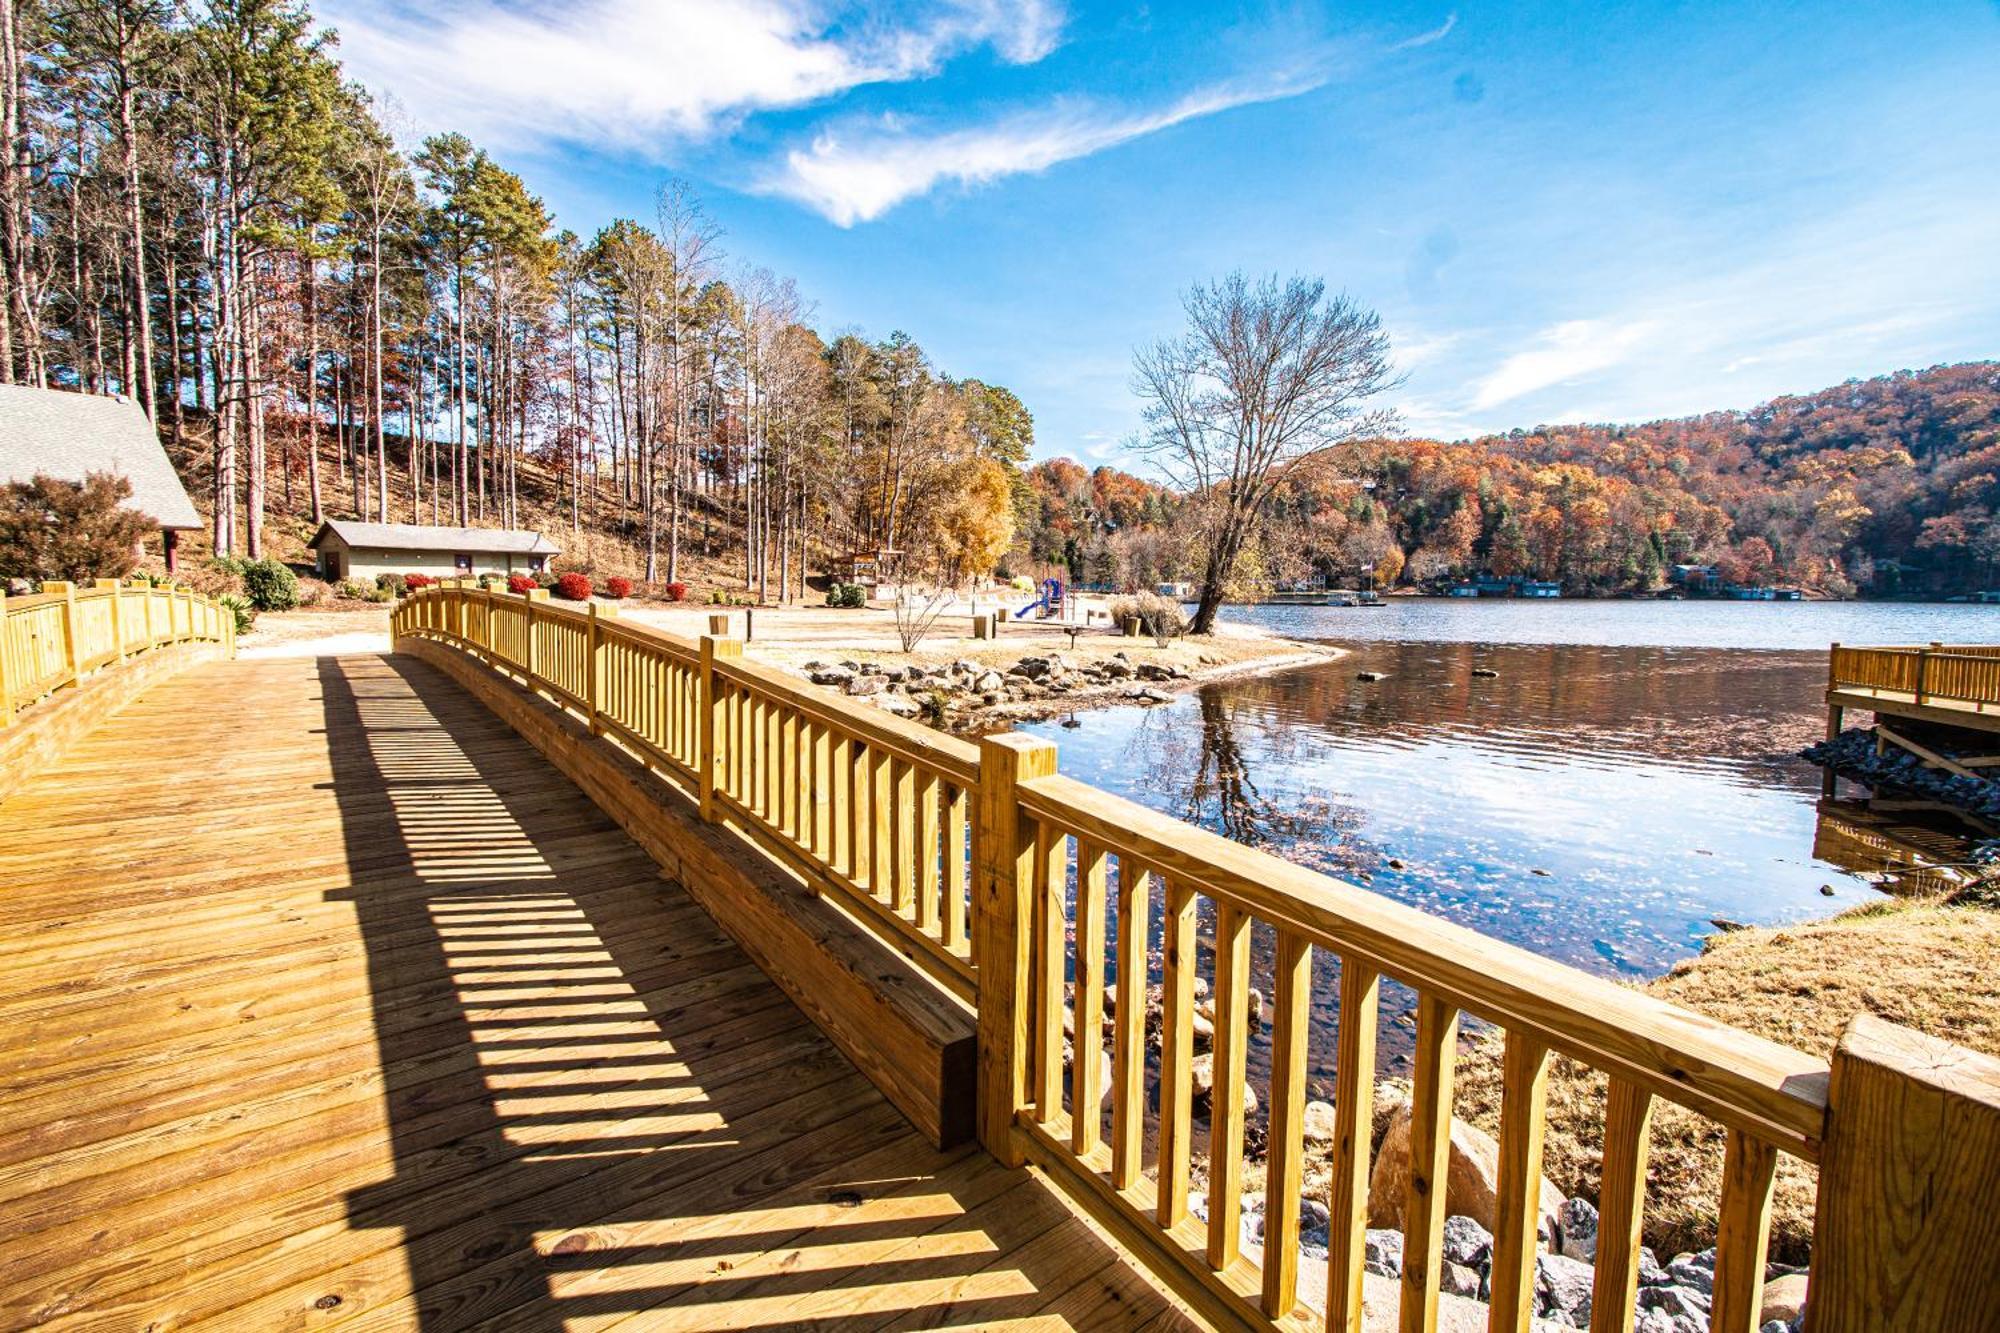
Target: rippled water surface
1596,804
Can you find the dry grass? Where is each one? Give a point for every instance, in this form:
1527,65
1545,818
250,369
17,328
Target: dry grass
1927,965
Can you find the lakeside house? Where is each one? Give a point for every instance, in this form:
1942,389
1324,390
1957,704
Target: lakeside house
350,550
66,435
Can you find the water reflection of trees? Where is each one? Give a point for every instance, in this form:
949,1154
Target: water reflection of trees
1209,776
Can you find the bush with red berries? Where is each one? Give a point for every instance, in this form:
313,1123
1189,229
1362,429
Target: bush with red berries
573,587
617,589
677,592
520,583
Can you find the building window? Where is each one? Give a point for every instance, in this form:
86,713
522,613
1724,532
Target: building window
462,562
536,562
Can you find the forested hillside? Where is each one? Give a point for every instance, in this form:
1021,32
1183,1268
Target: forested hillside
198,208
1884,485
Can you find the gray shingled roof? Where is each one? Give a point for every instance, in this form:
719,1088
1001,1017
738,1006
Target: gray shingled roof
418,537
68,435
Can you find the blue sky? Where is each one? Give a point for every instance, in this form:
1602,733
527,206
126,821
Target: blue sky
1563,211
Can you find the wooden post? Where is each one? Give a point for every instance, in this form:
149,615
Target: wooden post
6,689
1906,1235
714,724
718,624
67,591
111,589
1836,716
528,600
596,654
1002,917
1923,670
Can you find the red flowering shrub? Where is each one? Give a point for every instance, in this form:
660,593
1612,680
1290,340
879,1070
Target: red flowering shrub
415,581
677,592
573,587
617,588
520,583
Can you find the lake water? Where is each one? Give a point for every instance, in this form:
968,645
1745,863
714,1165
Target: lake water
1628,776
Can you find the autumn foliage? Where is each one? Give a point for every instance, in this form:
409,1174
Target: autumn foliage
574,587
55,529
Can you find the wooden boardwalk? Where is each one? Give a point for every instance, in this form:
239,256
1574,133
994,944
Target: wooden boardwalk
324,1000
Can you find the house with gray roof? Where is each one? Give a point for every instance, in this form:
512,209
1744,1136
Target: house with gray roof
57,433
362,550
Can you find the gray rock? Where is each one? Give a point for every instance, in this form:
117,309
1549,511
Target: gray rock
822,674
1150,696
864,685
1650,1272
1577,1221
1694,1270
1153,671
899,704
1459,1280
1562,1289
988,681
1680,1302
1382,1253
1467,1243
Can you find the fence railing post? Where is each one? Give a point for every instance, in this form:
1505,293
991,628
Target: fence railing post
1923,670
528,600
115,591
1003,910
6,687
67,591
714,725
1906,1235
595,659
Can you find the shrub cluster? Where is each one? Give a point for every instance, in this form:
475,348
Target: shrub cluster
520,583
270,586
390,583
246,614
677,592
412,582
616,588
1161,617
847,594
573,587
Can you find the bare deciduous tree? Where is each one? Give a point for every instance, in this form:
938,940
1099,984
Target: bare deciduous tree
1269,377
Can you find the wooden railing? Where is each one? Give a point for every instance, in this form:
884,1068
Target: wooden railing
61,634
876,808
1066,886
1953,674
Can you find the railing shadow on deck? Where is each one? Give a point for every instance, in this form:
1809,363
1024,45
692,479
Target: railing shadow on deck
597,1106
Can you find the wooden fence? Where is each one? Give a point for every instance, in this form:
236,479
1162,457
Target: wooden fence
1929,673
1016,885
61,634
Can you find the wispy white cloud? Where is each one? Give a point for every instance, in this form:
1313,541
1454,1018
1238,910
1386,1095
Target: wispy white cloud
1562,354
634,72
859,172
1437,34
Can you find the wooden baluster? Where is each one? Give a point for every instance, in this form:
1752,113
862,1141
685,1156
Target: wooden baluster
1621,1194
882,820
116,593
1051,955
1290,1017
6,660
821,779
712,762
1087,1044
840,782
929,879
1430,1162
1743,1233
1225,1098
957,832
67,591
1128,1038
789,740
1002,918
594,682
1523,1120
1176,1053
861,830
904,834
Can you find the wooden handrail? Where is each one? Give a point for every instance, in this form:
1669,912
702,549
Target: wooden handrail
54,638
1951,674
1006,903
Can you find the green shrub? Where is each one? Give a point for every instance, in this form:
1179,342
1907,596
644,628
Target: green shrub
354,590
391,584
270,586
246,614
847,594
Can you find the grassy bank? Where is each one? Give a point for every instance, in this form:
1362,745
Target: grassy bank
1927,965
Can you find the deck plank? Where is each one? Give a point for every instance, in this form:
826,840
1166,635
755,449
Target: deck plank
324,999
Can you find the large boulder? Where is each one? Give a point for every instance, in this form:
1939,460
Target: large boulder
1784,1299
1472,1182
822,674
1562,1289
1320,1124
1576,1223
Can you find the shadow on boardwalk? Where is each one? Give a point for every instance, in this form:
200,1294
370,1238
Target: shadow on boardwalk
601,1113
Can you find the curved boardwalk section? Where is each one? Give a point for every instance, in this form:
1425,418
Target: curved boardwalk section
325,1000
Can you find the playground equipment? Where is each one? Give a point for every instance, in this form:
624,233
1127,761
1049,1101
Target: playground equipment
1049,603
